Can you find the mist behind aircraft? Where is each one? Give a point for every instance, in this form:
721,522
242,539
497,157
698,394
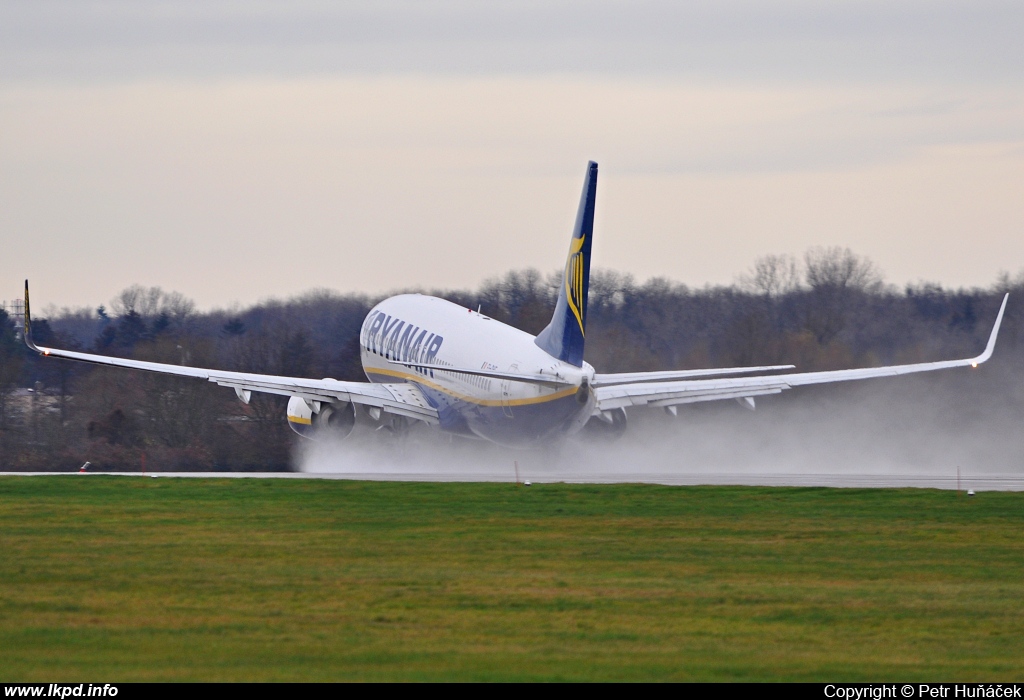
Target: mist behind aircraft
913,431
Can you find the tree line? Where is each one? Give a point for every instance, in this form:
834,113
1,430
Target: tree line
831,309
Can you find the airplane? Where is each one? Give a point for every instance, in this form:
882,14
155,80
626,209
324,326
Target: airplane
435,362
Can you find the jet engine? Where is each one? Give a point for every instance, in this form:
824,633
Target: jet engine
334,420
607,425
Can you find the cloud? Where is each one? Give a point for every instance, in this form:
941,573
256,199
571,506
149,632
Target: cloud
235,190
237,149
737,39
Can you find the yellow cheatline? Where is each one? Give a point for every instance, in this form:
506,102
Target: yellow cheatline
471,399
300,419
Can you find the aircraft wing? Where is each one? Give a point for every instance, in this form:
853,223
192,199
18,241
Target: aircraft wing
631,377
673,393
399,398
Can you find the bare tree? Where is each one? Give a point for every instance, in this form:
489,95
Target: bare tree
523,299
153,302
772,276
837,279
840,269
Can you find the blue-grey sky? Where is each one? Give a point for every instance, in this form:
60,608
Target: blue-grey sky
238,150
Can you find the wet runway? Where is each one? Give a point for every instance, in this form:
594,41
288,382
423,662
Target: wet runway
976,482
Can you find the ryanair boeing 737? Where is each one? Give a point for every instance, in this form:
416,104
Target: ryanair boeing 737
432,361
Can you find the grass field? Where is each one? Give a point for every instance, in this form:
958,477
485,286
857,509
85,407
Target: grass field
119,578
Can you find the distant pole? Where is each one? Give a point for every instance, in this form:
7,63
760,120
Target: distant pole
516,462
143,462
958,480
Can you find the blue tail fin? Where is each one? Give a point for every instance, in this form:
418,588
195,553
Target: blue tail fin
563,338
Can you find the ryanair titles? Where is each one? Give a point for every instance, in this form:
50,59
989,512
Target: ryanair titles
394,339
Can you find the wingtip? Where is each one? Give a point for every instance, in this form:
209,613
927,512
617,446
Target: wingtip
991,345
27,334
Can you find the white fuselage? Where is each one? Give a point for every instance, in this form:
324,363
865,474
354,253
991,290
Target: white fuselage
410,328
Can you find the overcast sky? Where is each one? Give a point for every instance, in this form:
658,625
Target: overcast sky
234,151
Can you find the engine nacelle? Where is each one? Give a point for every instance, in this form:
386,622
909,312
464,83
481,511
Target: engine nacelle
334,420
607,425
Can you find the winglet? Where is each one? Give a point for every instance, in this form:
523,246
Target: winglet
983,357
28,323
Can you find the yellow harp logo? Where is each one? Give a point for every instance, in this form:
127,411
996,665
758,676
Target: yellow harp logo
574,280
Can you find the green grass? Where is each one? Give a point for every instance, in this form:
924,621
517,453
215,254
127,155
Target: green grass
119,578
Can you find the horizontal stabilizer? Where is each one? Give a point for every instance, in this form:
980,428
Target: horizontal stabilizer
542,379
